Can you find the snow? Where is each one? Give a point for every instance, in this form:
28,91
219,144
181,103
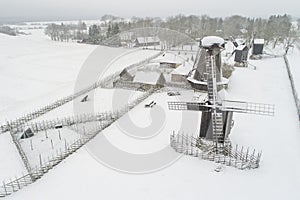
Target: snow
259,41
211,40
101,99
241,47
11,164
41,144
81,176
183,69
36,71
169,57
224,81
49,69
146,77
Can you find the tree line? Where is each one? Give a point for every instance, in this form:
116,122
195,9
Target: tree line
274,28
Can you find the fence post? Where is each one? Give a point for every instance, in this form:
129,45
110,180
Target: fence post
18,182
4,186
31,146
59,135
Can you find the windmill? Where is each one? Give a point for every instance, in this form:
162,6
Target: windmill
198,76
216,121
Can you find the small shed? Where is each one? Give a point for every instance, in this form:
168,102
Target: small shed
258,46
146,41
149,80
241,54
126,76
27,133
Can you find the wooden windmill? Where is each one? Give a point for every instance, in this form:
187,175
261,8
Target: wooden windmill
216,121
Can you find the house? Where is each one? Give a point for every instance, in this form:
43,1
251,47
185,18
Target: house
146,41
258,46
148,80
241,54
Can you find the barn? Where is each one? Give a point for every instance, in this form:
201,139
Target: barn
148,80
146,41
258,46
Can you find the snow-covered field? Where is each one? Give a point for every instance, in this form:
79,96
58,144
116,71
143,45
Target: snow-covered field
35,71
11,164
81,176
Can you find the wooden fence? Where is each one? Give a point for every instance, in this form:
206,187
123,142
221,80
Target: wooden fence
41,111
295,94
34,173
19,124
237,157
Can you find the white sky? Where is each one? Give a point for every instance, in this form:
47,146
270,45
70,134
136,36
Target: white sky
86,9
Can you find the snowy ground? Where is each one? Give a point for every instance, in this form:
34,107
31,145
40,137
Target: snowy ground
11,164
47,145
101,102
81,176
35,71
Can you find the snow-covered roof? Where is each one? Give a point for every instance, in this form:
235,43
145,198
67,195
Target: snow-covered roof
184,69
144,40
241,47
170,58
146,77
211,40
224,81
259,41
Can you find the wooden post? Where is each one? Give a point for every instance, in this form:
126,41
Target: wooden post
4,186
31,146
41,163
59,135
247,154
46,134
12,185
52,144
18,182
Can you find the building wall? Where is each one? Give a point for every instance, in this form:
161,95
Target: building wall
178,78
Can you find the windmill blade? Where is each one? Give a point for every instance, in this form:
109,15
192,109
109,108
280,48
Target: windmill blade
248,107
194,106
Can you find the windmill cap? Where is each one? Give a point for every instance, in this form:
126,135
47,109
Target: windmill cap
210,41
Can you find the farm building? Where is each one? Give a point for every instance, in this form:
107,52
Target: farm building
181,73
169,60
258,46
146,41
126,76
169,64
148,80
241,54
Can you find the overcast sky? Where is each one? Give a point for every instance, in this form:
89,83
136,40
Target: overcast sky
93,9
